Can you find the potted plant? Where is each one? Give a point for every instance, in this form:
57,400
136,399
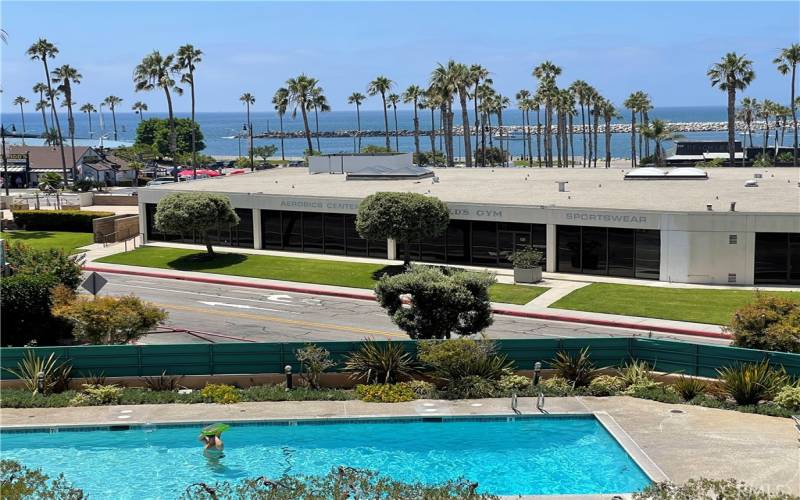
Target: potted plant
527,263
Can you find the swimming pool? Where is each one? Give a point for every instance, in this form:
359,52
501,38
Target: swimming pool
505,455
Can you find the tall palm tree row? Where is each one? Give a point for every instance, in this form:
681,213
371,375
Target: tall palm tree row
65,76
186,59
442,84
787,62
281,103
301,91
381,85
248,100
357,98
412,95
523,104
478,74
40,88
747,112
21,101
633,103
319,103
609,112
733,72
139,108
156,72
112,101
89,109
44,50
546,73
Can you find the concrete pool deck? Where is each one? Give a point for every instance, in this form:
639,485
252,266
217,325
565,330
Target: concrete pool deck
698,442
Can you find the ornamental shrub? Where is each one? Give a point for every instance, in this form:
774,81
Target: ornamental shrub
655,391
385,393
689,387
511,382
421,388
97,395
25,301
79,221
635,373
769,323
221,394
381,363
452,360
109,320
442,301
788,397
22,259
196,212
556,386
578,368
606,385
314,360
703,488
18,481
749,383
472,387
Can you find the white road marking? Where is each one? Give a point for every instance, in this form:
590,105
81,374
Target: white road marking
213,295
283,299
241,306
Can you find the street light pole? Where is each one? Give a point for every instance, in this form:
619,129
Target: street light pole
250,132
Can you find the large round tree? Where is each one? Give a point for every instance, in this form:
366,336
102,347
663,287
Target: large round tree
403,217
198,212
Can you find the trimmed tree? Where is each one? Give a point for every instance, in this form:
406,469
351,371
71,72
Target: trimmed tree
442,301
404,217
198,212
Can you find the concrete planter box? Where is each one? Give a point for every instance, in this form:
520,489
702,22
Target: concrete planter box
531,275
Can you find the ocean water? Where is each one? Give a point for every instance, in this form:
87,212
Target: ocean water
540,455
220,129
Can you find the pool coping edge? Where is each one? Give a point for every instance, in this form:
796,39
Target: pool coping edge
637,454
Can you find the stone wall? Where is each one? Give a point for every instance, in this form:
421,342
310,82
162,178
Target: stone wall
115,200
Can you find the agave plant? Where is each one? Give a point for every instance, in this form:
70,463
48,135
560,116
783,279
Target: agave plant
381,363
689,387
749,383
578,369
162,382
55,376
635,373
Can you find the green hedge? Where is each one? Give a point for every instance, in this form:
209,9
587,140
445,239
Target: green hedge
25,301
57,220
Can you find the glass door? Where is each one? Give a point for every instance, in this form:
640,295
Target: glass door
509,242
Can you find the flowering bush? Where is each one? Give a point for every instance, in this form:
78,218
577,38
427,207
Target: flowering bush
385,393
220,393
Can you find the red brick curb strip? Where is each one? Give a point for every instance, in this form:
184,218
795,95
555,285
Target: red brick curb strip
369,296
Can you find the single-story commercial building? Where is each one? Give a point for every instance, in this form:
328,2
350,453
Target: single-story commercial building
731,226
25,164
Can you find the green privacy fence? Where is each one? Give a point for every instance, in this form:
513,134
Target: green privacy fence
250,358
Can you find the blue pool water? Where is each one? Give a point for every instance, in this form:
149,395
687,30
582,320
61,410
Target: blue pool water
542,455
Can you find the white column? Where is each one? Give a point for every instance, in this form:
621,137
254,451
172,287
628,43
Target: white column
391,249
143,222
257,228
552,248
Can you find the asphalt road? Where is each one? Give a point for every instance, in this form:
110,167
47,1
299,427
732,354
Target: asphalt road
216,313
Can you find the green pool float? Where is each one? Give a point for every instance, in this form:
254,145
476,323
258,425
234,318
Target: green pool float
214,429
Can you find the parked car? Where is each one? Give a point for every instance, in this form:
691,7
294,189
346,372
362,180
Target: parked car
230,164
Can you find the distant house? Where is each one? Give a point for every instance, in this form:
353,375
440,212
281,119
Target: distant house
26,164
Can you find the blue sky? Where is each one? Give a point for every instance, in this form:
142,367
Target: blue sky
663,48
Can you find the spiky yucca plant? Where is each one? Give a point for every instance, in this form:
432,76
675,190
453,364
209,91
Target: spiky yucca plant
749,383
381,363
56,375
578,369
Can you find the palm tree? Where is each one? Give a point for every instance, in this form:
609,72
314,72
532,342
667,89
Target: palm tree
20,101
139,108
66,76
523,103
546,73
320,104
581,89
357,98
88,109
393,100
44,50
461,79
156,72
731,73
609,112
477,74
43,106
381,85
112,101
281,102
486,95
41,88
501,102
748,110
412,95
300,93
787,62
248,99
659,133
186,60
765,111
432,102
442,85
633,102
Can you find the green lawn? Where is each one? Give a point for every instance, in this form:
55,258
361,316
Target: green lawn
49,239
325,272
682,304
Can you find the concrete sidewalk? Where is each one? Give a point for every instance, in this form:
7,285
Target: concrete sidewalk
529,310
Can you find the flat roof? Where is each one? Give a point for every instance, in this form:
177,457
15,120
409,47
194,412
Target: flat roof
777,190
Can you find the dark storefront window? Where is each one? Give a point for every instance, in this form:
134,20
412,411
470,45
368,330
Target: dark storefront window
458,245
609,251
316,233
240,235
484,243
777,258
